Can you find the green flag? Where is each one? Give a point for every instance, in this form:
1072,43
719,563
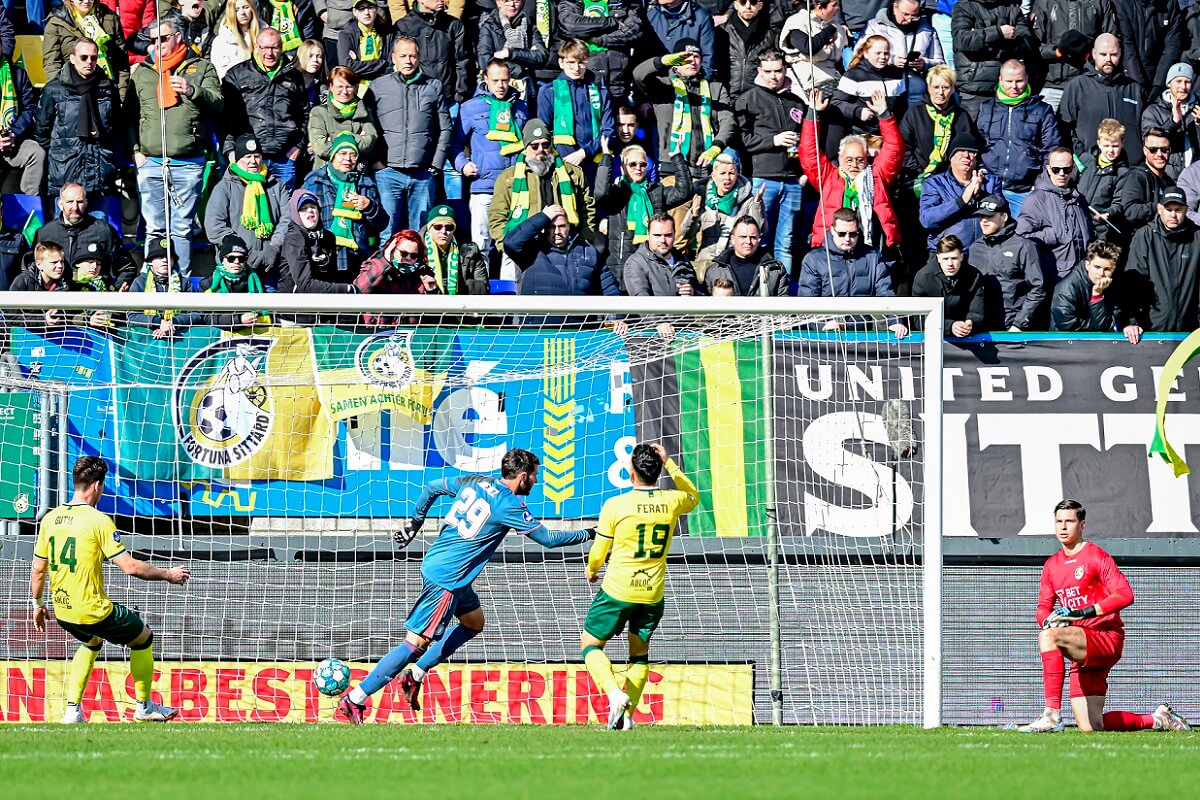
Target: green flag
30,229
1188,349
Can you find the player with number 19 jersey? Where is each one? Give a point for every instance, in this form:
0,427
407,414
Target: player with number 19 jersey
483,513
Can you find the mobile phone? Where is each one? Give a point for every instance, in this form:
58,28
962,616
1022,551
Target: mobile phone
913,55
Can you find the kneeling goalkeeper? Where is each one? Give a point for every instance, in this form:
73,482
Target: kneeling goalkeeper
637,528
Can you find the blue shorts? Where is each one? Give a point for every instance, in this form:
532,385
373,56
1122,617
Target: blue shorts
435,608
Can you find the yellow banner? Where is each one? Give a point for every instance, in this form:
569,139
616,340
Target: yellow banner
676,694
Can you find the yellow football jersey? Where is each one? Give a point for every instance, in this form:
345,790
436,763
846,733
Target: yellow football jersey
638,526
76,540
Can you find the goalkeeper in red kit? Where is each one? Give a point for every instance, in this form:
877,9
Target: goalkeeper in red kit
1079,609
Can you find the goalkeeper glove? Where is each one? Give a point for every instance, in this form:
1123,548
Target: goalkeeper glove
674,59
409,532
1063,616
591,532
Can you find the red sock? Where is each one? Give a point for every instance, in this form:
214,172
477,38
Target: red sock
1127,721
1053,674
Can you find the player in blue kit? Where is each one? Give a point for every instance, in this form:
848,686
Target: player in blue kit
484,511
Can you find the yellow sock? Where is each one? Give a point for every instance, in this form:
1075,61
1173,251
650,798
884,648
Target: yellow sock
81,672
635,681
600,668
141,666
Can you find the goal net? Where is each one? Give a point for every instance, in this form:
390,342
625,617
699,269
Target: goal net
277,461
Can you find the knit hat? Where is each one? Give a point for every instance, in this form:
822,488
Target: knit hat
90,253
232,245
160,248
245,145
963,141
535,131
442,213
343,140
1180,71
1075,48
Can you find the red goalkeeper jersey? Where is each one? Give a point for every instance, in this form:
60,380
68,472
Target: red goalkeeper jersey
1086,578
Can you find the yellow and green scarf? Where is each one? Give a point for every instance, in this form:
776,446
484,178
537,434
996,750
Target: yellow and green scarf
501,126
344,214
370,44
450,284
283,19
726,205
174,284
943,129
542,17
256,211
90,25
639,211
270,73
344,110
564,112
1012,101
10,104
681,117
519,210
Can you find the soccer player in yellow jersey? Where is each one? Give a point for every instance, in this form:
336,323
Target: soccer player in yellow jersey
637,528
73,543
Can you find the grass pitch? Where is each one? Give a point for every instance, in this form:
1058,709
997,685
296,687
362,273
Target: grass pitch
180,761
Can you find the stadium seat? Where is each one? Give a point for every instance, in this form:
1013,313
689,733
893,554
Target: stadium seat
502,287
30,49
109,208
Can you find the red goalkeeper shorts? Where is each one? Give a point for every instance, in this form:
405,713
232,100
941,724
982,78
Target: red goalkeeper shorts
1090,679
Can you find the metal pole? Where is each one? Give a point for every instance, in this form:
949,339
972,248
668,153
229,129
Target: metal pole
931,560
43,489
64,467
768,392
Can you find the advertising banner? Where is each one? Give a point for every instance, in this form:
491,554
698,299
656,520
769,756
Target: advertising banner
540,694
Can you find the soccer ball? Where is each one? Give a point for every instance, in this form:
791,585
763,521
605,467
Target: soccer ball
212,419
332,677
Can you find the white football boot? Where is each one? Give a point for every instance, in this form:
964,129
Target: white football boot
1046,723
618,704
153,712
1167,720
73,715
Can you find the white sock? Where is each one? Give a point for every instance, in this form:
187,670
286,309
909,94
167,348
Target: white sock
358,696
417,673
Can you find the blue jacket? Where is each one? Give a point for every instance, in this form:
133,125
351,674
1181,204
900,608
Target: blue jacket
575,271
1019,139
943,211
861,272
692,22
470,141
583,113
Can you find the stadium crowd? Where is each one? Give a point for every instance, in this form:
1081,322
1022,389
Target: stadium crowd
1034,163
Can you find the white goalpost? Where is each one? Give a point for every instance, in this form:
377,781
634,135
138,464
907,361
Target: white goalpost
278,460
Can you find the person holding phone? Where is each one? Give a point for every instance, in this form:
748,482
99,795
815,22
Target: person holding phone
915,45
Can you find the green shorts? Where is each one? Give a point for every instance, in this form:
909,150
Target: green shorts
608,616
121,627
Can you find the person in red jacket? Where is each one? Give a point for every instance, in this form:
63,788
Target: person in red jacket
854,182
1079,608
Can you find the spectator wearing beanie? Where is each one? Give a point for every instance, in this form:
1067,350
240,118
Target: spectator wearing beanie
950,198
251,203
161,275
1176,111
350,205
457,269
540,178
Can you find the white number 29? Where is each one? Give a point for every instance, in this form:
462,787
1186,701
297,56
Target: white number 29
469,513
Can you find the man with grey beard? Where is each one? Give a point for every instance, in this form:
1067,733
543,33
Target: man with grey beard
540,178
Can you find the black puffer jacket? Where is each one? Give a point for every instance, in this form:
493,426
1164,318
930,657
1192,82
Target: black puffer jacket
1152,37
738,47
273,109
310,256
1072,309
91,235
965,293
1099,185
1094,97
979,46
1163,274
89,161
444,51
1012,270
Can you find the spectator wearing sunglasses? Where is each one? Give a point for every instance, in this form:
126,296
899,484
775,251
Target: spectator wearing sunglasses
1138,195
746,33
1056,217
457,269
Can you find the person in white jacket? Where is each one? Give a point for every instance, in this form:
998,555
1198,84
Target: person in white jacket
234,42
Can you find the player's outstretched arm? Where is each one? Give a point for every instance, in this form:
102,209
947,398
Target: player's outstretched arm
548,538
148,572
